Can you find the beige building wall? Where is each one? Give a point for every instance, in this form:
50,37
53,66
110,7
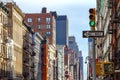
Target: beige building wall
3,48
18,40
16,17
51,60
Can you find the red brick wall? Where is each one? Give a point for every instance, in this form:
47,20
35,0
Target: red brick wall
34,24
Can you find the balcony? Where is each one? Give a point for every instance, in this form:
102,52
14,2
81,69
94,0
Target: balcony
33,43
4,8
4,53
4,38
5,22
25,74
26,61
25,45
110,4
32,70
7,57
117,60
32,65
33,53
26,71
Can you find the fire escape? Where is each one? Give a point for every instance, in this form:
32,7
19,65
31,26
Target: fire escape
113,5
28,57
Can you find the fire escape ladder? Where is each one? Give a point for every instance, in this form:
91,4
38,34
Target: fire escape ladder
110,4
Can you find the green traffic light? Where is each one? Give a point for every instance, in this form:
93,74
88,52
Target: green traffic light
92,23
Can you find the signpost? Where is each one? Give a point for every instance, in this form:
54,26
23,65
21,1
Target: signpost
91,34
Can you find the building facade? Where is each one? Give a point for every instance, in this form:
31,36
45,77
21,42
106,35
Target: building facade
66,62
6,45
45,24
37,40
60,62
80,67
74,47
28,54
62,30
15,19
117,60
108,47
44,48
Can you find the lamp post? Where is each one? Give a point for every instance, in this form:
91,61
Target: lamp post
87,61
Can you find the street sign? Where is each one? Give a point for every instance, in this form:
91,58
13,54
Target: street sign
90,34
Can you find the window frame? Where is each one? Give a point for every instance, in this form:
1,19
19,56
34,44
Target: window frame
48,26
29,19
38,19
38,27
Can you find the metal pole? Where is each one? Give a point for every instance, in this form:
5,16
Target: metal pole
88,71
94,60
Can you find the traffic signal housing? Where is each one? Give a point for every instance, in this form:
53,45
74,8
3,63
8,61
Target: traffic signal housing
92,17
108,68
99,68
104,68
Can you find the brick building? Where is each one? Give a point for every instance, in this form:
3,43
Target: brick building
44,23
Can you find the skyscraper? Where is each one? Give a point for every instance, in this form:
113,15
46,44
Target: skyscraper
62,30
81,72
78,65
72,44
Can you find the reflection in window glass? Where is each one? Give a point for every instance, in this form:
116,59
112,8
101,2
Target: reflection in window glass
48,33
38,19
29,19
47,19
38,26
47,26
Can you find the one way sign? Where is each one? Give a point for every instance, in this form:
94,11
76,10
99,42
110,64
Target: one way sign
90,34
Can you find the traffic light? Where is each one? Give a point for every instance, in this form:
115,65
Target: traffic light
108,68
99,68
104,68
92,17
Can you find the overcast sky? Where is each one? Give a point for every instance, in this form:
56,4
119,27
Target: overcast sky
76,11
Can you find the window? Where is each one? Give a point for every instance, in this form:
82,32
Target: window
38,19
47,26
119,43
38,26
29,19
48,33
47,19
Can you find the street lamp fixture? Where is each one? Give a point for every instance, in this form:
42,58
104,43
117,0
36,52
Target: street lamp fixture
87,59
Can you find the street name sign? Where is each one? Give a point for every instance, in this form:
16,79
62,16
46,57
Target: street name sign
91,34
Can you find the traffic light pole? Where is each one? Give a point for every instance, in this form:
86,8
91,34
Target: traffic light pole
92,18
94,60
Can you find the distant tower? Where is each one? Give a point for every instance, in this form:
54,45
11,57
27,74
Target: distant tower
62,30
72,44
81,71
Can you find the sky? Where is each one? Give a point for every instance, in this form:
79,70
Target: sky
77,12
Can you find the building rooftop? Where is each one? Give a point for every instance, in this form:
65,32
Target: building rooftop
62,17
